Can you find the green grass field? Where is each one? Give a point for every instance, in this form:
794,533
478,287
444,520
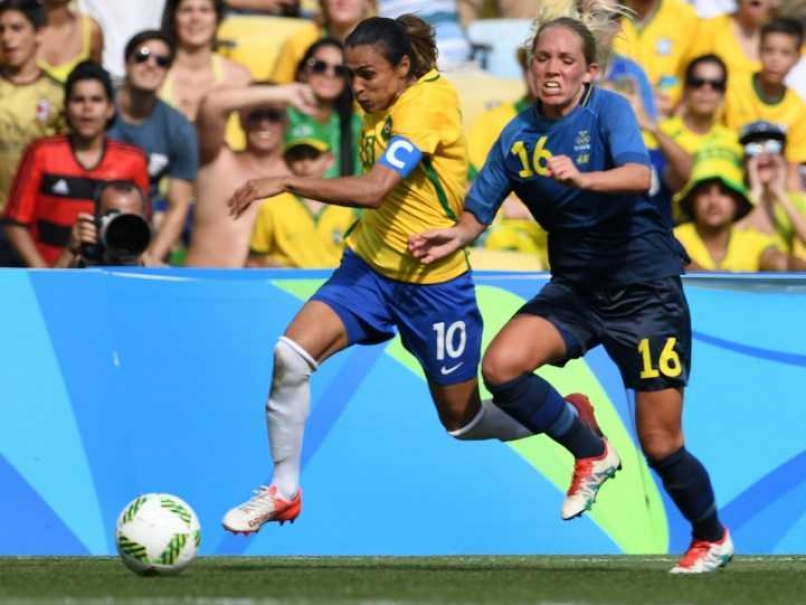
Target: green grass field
395,581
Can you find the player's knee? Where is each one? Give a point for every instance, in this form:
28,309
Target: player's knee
293,365
657,445
500,365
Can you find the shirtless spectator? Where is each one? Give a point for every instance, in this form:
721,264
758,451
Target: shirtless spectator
219,240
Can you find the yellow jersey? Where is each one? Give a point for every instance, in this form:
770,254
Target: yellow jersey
661,44
717,36
27,112
291,235
691,141
744,103
487,128
744,249
427,115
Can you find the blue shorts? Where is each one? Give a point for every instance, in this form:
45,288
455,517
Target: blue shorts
645,328
440,324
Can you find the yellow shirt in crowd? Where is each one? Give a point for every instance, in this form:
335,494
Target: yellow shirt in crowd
744,249
487,128
27,112
291,235
719,135
744,104
661,44
717,36
427,114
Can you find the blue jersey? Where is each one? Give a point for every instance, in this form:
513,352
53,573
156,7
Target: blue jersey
594,238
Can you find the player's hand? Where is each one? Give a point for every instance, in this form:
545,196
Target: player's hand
252,190
562,169
434,245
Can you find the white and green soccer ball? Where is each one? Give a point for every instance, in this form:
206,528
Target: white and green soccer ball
157,534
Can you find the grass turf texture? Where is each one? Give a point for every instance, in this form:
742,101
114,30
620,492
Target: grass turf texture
394,581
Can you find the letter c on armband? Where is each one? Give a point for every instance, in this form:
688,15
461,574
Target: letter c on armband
401,156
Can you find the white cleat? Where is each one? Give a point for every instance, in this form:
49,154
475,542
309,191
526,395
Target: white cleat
265,506
705,557
589,475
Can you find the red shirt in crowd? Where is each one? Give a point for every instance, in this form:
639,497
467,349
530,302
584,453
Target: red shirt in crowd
51,188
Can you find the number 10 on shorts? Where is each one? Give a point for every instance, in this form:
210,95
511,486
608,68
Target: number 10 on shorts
451,341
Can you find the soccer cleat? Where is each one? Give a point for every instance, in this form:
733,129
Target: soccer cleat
265,506
589,475
704,557
584,411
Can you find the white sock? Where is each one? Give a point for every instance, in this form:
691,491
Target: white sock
491,423
286,412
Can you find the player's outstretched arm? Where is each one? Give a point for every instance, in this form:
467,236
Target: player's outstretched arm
436,244
365,191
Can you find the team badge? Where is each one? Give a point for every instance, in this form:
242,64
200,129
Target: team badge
43,110
386,133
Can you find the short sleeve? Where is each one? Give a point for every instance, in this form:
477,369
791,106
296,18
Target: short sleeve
261,240
21,208
622,132
425,119
184,151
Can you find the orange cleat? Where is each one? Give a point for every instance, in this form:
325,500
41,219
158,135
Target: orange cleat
265,506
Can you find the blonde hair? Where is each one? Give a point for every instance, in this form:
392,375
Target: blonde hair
596,22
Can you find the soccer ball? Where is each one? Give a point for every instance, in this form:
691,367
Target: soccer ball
157,534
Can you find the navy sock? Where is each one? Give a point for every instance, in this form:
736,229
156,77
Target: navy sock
577,437
689,486
538,406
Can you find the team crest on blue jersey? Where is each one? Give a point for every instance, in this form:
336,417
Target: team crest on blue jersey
582,147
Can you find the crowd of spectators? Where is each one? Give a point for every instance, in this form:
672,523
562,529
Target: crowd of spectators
145,95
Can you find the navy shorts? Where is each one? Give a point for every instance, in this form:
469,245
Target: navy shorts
645,328
440,324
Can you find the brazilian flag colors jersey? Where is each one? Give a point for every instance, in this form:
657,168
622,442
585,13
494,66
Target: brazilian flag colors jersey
594,237
291,235
744,252
431,196
745,103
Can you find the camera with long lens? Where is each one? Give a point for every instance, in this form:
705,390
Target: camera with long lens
122,237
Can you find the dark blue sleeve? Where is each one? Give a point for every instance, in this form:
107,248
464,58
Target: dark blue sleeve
491,187
184,151
622,132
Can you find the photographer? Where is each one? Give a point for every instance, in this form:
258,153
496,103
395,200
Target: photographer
117,234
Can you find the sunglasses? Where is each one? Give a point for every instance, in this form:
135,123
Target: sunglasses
695,82
320,67
770,146
272,115
143,54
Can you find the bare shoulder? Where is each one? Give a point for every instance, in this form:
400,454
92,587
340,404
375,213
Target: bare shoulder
236,74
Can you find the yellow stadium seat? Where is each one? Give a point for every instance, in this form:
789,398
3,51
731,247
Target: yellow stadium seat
255,41
479,91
